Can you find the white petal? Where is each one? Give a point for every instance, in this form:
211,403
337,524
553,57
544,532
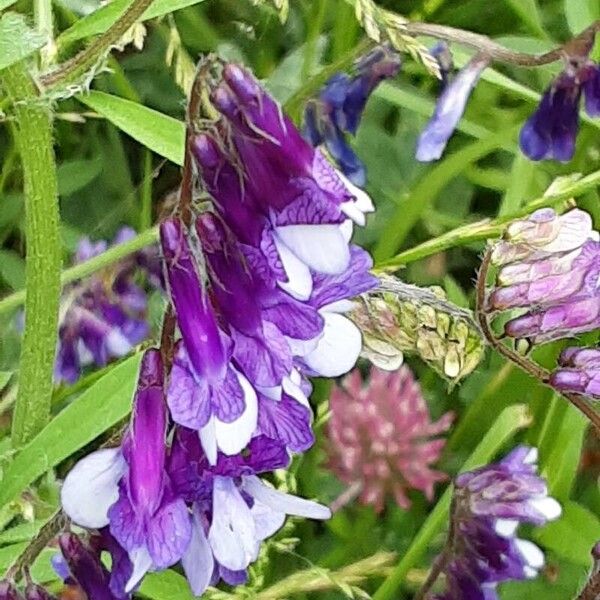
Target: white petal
321,247
351,210
142,562
347,229
533,556
532,457
198,562
506,527
338,349
233,437
291,505
549,507
299,284
362,200
339,306
232,534
266,520
274,393
90,488
292,388
118,344
302,347
208,440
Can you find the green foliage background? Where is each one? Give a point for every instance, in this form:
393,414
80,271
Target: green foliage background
118,163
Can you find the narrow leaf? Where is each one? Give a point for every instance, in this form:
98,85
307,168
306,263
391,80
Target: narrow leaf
17,39
161,133
581,14
100,407
100,20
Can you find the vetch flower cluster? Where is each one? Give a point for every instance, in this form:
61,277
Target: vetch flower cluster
105,317
381,437
340,105
259,285
488,506
551,131
549,266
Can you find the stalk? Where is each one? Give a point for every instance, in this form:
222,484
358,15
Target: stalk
33,136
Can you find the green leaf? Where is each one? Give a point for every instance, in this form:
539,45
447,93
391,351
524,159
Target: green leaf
573,535
100,407
4,378
74,175
100,20
581,14
509,421
529,13
21,533
12,269
167,585
17,39
41,571
560,469
161,133
6,3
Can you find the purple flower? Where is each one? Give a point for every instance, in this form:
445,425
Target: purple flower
86,568
206,391
129,490
37,592
8,591
234,511
105,316
449,110
489,504
578,372
551,131
549,265
340,105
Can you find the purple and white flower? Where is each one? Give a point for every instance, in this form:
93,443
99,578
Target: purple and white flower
578,372
488,506
128,488
449,109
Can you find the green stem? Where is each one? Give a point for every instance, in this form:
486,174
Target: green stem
316,580
71,71
97,263
486,228
33,131
506,425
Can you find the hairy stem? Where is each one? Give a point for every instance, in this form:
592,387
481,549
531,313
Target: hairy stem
71,71
486,228
33,133
523,362
495,51
316,580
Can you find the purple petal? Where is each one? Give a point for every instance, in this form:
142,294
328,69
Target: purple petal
286,420
168,533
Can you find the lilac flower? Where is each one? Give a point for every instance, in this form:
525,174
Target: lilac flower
551,131
449,110
382,437
206,391
104,317
37,592
234,511
578,372
550,265
85,568
129,490
489,504
340,105
8,591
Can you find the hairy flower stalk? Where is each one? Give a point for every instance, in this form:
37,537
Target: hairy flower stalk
380,436
260,285
399,318
488,505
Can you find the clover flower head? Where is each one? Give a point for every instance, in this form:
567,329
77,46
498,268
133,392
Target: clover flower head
381,436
